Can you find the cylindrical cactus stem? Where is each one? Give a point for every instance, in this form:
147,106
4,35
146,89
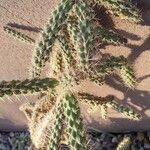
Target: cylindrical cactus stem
120,66
123,9
26,86
48,36
125,110
110,37
19,36
56,130
94,100
65,52
75,127
85,37
124,144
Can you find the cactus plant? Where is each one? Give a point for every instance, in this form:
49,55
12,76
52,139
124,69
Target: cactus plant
75,31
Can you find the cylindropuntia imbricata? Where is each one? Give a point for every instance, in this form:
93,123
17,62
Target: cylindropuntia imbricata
77,34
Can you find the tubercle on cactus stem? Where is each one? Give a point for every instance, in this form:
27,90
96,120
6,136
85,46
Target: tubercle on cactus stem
48,37
121,8
18,35
126,110
75,127
26,86
85,31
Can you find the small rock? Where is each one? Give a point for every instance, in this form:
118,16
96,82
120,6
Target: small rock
102,137
11,134
114,140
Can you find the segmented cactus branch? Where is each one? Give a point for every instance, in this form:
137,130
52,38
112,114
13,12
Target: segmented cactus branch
48,37
120,66
125,110
121,8
75,127
110,37
19,36
85,37
56,130
26,86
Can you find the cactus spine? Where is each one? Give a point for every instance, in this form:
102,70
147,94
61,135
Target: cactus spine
18,35
48,37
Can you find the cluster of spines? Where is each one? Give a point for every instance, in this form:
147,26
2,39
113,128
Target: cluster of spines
120,66
27,86
18,35
48,37
104,111
124,144
56,130
75,127
121,8
125,110
85,37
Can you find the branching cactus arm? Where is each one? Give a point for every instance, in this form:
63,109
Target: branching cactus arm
44,47
27,86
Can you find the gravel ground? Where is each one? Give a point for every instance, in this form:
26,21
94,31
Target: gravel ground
97,141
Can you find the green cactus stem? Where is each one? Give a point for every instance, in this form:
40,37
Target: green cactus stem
26,86
85,37
124,144
19,36
120,66
125,110
121,8
110,37
75,127
56,130
48,37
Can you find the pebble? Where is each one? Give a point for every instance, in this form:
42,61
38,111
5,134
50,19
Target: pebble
147,146
114,140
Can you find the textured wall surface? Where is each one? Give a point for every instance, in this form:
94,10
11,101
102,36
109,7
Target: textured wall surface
15,60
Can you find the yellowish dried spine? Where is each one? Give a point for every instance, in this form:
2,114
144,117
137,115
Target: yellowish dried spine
104,111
